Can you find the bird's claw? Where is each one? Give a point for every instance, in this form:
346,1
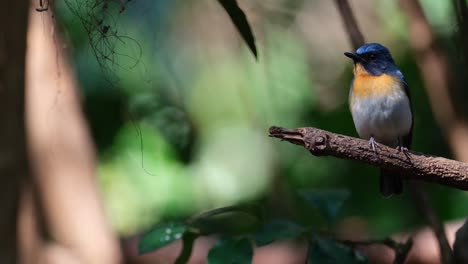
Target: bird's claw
373,144
402,148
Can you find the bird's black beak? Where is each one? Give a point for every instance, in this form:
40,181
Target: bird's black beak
354,56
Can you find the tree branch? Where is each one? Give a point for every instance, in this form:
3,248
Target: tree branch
414,165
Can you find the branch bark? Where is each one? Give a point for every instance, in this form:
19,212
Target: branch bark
414,165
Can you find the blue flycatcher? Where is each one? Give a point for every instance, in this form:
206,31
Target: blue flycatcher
381,106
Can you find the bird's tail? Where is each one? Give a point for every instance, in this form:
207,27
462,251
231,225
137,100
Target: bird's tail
391,183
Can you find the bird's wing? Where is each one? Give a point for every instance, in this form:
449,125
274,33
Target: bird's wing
408,138
405,85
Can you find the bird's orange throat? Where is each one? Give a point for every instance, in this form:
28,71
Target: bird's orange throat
365,84
360,70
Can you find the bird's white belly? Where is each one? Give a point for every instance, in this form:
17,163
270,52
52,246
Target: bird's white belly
387,118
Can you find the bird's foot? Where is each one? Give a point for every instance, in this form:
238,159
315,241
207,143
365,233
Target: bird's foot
402,148
405,151
373,144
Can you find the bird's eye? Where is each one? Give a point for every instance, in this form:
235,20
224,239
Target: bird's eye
372,56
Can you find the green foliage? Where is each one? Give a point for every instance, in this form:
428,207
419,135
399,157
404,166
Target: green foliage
228,221
326,251
231,251
242,225
161,236
278,229
328,202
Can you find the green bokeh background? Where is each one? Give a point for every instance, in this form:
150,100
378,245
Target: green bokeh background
179,109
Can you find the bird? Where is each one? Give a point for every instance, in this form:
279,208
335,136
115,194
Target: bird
380,105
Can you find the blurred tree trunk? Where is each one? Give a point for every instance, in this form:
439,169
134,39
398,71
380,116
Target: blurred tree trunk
63,161
13,161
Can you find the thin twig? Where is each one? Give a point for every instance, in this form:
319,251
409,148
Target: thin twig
188,239
423,204
355,36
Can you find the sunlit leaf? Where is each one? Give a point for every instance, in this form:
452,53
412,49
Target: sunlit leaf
328,203
160,236
324,251
233,220
240,22
278,229
231,252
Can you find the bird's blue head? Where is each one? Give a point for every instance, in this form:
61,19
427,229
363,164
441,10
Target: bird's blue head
374,58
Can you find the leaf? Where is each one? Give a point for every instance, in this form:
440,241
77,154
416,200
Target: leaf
232,220
325,251
231,251
160,236
278,229
240,22
328,203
